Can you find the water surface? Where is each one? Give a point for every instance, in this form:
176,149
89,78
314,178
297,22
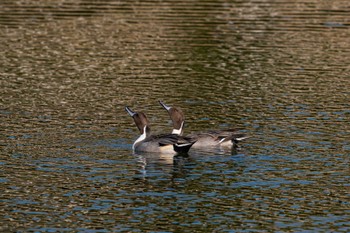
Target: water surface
279,70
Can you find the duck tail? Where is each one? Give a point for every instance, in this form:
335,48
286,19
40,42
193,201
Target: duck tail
183,147
239,137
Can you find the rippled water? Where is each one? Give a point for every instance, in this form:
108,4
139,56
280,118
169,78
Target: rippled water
278,69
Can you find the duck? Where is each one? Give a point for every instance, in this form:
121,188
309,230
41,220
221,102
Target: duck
163,143
211,138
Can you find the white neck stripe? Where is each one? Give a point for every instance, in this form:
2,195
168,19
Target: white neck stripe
141,138
178,131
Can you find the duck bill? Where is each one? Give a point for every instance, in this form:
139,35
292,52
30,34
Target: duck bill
164,105
131,113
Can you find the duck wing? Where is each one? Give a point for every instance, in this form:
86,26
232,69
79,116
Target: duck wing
181,144
166,139
224,135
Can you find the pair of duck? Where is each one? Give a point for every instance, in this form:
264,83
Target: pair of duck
176,143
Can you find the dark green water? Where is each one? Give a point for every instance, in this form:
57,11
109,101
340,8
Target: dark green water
278,69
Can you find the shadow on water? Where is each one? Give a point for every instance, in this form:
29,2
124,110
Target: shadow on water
278,70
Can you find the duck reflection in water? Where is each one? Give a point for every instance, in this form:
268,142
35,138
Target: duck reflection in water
154,164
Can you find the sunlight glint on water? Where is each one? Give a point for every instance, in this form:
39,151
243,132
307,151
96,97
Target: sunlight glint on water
278,70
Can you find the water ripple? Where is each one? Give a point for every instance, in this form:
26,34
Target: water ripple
275,69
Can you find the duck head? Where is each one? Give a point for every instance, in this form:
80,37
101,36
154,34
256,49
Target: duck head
140,120
176,116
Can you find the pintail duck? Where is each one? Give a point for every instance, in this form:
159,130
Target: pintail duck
164,143
228,137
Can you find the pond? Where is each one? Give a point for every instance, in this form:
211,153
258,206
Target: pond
279,70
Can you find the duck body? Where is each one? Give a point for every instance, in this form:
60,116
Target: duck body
163,143
214,138
154,144
211,138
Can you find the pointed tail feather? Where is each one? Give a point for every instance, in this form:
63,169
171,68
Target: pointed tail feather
235,138
240,137
183,147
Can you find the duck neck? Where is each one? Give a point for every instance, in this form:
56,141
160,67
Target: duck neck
178,131
141,137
